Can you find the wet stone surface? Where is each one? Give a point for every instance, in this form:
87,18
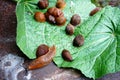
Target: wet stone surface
13,62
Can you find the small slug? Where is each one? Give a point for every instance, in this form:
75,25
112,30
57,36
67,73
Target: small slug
94,11
78,41
43,60
75,20
69,29
42,50
60,20
60,4
39,16
43,4
66,55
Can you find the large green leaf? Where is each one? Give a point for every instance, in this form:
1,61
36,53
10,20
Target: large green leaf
30,33
100,53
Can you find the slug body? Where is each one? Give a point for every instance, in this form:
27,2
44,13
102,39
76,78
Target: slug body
43,60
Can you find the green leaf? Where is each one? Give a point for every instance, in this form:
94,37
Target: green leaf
100,53
30,33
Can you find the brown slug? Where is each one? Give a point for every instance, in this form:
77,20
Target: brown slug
43,60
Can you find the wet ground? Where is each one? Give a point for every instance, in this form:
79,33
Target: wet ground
13,61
